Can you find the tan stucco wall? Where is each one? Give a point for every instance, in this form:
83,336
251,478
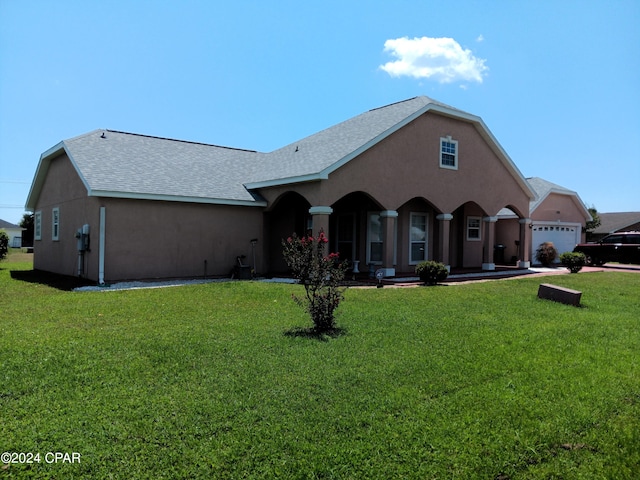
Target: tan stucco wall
558,207
151,239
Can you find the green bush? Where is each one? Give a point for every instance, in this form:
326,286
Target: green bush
431,272
4,244
574,261
546,253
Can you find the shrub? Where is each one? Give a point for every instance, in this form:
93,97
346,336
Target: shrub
431,272
4,244
574,261
546,253
321,276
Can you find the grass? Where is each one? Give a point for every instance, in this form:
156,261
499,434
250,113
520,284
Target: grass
212,381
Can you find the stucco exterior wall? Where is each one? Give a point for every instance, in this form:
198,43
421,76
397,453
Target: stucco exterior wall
152,239
558,207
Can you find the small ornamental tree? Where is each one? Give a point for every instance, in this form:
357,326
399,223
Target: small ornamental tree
321,275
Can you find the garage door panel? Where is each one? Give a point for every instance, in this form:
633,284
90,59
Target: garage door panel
563,237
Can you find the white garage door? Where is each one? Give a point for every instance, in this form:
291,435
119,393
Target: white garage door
564,237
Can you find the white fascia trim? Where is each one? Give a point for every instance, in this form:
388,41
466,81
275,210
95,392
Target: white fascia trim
313,177
176,198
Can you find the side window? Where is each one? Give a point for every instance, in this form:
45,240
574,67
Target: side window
55,224
37,226
613,239
448,153
473,228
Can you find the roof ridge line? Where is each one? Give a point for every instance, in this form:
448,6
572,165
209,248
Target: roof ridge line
394,103
181,141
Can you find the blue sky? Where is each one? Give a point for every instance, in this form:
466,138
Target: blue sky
557,82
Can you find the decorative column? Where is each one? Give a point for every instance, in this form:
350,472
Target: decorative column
443,238
524,255
489,238
320,220
388,219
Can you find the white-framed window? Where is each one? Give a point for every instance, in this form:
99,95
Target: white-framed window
374,239
37,226
448,153
55,224
473,228
417,238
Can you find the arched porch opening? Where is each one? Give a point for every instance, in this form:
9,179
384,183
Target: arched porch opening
468,237
288,214
513,238
354,230
418,234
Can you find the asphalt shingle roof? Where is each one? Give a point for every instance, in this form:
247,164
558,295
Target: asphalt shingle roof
617,221
126,163
5,224
113,163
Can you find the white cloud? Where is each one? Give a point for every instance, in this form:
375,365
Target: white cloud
480,38
440,59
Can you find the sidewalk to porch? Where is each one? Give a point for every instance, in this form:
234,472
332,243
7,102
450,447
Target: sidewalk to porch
458,275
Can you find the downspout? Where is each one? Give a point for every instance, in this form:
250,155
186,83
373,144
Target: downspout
101,246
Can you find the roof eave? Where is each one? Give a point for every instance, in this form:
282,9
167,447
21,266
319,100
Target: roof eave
176,198
42,169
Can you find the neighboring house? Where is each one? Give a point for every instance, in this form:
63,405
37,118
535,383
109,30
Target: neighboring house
558,215
391,187
14,233
616,222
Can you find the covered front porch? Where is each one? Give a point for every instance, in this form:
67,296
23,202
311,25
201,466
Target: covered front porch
372,238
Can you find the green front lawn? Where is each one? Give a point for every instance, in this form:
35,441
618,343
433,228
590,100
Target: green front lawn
216,381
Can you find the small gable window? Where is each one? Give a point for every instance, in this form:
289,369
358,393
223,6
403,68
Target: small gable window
55,224
448,153
37,226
